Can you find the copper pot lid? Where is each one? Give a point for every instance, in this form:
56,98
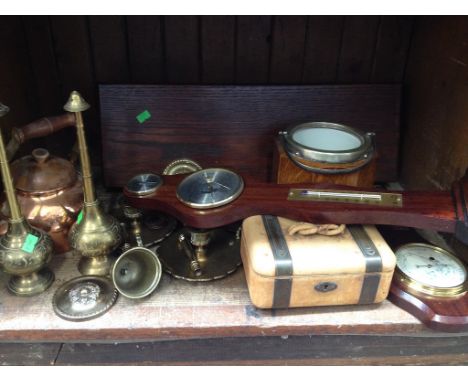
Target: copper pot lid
41,172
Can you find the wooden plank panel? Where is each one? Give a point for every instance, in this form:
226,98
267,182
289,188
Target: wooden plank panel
76,71
109,43
30,354
145,47
73,54
253,49
287,55
357,49
46,78
182,49
234,126
266,350
436,134
15,74
218,43
323,42
392,49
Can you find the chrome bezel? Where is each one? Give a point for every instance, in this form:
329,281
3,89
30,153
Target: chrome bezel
219,203
131,186
296,149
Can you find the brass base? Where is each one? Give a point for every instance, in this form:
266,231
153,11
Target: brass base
95,266
222,256
154,226
31,284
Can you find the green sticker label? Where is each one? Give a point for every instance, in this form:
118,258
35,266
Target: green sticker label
80,216
30,243
143,116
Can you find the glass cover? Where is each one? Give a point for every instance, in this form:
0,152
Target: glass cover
430,266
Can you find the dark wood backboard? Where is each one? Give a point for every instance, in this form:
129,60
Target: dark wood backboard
234,126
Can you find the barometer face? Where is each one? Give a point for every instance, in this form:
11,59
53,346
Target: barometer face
209,188
144,184
430,266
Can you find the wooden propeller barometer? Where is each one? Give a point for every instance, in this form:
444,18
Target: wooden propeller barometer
212,198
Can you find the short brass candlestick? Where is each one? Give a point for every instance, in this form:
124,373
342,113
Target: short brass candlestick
24,250
95,234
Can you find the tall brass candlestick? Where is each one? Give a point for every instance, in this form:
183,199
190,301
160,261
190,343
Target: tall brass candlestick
95,234
24,250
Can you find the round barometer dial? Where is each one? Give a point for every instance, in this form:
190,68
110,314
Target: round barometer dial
431,270
209,188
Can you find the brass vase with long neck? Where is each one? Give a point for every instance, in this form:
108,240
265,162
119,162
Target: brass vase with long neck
24,250
95,234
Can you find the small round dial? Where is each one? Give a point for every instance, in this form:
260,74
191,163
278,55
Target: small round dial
209,188
144,184
431,268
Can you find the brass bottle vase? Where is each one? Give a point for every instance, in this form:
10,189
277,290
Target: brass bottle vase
95,234
24,250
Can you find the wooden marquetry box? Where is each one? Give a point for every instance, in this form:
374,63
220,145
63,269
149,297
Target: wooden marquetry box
282,270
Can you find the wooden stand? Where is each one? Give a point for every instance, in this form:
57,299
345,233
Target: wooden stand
285,171
444,314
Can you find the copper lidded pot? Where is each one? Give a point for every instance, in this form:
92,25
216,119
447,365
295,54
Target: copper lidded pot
50,194
48,188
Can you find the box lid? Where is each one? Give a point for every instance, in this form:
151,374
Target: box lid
314,254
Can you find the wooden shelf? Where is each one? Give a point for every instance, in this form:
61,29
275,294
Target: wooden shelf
214,323
182,310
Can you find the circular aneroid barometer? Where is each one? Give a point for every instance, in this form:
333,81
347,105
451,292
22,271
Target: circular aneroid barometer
431,270
144,184
210,188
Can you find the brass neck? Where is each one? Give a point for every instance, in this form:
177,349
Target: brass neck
88,188
15,210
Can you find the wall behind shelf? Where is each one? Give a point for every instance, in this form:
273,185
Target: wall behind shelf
436,104
47,57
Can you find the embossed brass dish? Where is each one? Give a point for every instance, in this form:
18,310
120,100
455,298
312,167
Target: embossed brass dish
84,298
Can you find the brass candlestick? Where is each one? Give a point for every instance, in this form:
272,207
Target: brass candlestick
24,250
95,234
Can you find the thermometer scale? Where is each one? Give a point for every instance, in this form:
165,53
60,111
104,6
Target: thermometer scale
386,199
